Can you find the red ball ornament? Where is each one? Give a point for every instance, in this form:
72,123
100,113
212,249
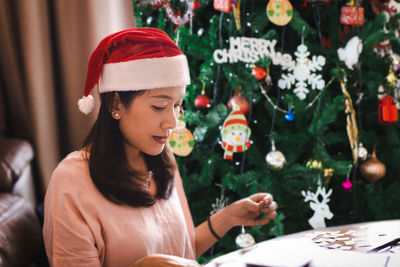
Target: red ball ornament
196,5
202,102
259,73
393,10
241,101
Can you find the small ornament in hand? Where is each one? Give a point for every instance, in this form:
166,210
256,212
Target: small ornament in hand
244,240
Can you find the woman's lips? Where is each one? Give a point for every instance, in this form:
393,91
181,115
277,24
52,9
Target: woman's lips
160,139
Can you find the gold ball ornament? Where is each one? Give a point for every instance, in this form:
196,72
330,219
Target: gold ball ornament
328,173
391,78
372,169
314,164
181,140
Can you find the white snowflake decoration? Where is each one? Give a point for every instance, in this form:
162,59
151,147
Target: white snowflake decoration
302,72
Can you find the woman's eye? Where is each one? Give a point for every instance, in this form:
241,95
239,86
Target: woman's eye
158,108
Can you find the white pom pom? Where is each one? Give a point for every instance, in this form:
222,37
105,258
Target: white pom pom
86,104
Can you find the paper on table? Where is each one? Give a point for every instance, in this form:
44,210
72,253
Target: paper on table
300,252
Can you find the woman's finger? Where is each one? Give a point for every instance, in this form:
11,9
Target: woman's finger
262,221
270,208
271,215
251,206
260,197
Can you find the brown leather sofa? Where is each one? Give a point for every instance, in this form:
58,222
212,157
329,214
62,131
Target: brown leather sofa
20,228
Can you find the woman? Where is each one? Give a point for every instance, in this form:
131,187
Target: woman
119,201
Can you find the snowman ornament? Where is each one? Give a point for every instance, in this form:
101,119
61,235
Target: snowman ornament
235,133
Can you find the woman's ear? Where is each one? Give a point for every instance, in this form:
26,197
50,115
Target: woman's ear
116,107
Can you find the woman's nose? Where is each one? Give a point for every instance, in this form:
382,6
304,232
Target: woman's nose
171,121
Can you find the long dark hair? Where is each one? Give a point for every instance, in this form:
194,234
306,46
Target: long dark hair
108,165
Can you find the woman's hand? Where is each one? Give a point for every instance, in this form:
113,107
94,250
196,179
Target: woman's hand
257,209
165,260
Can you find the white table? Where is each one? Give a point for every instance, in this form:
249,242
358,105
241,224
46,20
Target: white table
346,245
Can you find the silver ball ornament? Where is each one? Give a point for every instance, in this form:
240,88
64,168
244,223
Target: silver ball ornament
244,240
275,159
362,153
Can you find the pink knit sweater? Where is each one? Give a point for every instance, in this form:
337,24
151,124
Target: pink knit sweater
82,228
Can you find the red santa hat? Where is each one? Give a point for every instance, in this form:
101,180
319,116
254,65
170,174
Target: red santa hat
134,59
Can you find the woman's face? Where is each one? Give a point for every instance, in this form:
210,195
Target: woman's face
148,121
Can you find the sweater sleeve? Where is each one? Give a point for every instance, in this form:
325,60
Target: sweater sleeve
186,210
68,239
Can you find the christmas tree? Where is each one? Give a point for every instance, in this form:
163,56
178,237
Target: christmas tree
317,84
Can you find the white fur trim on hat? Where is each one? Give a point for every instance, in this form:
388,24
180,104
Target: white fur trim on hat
86,104
148,73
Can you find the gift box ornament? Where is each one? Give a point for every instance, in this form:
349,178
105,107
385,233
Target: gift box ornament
387,111
352,15
223,5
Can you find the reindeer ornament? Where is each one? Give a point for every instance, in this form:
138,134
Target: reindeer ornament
320,208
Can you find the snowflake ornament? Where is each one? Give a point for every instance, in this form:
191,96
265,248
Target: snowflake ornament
302,73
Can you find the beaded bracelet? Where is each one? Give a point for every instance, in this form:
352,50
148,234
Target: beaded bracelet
212,230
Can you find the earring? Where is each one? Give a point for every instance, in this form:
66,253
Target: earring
115,115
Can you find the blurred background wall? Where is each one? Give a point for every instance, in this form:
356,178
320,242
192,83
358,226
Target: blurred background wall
44,50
